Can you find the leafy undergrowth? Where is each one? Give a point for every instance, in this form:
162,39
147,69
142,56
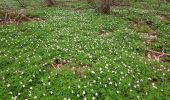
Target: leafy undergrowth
97,66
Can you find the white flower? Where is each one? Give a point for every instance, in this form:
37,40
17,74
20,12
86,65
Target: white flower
49,83
78,95
109,78
146,93
85,98
19,93
29,91
129,84
29,95
90,84
35,97
110,82
14,98
68,87
30,88
21,83
98,77
96,94
106,66
149,78
84,92
78,86
117,91
101,72
10,92
123,77
92,72
72,91
30,80
8,85
116,84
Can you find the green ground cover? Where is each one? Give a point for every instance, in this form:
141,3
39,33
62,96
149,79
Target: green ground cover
104,55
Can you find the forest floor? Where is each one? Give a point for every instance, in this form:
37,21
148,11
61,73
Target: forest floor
70,52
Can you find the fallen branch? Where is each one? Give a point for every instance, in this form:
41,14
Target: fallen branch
159,52
151,54
16,17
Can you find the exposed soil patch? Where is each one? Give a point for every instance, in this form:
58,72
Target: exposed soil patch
150,54
166,59
149,35
148,38
152,32
103,33
53,3
79,73
78,10
164,19
15,17
119,3
57,64
139,26
146,29
85,65
38,19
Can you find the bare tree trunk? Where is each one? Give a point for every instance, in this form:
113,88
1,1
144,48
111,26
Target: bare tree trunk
104,7
90,1
49,2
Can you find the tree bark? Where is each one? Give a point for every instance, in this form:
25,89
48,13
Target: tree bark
104,7
90,1
49,2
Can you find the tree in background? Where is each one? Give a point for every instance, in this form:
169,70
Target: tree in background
49,3
103,7
90,1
